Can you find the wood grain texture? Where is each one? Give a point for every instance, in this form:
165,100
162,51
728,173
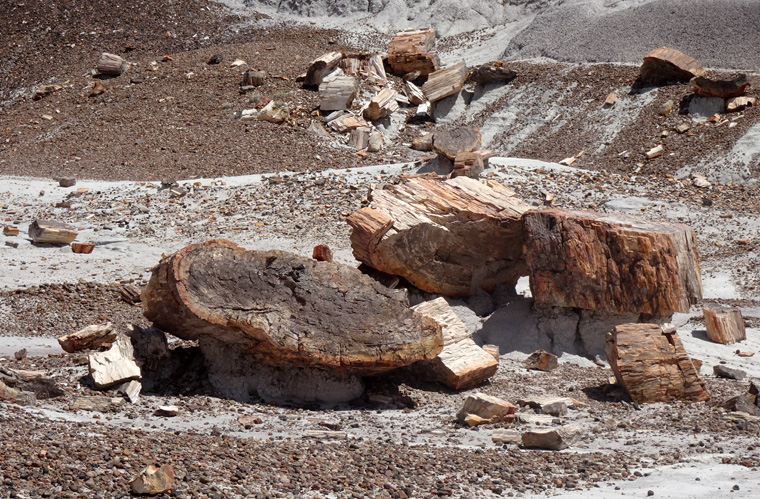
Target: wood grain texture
288,310
445,82
413,51
724,325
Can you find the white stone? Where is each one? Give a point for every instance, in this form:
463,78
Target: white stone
114,366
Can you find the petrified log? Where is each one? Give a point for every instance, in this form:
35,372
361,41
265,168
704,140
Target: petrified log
414,93
611,262
445,82
652,365
665,65
724,324
50,232
376,70
459,140
382,105
462,363
88,338
725,89
449,237
337,94
486,407
413,51
491,72
319,67
286,309
111,64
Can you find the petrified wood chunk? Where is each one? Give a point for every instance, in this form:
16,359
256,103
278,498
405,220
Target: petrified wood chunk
382,105
468,164
337,94
449,237
652,365
51,232
452,142
319,67
491,72
665,65
462,363
724,324
720,88
111,64
413,51
445,82
287,309
88,338
611,262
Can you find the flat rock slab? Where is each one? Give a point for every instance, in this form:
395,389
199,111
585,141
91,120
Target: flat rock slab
666,65
449,237
552,439
486,407
611,262
288,310
652,365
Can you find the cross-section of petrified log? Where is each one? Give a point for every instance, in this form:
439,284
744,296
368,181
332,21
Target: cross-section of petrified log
287,309
652,365
449,237
612,262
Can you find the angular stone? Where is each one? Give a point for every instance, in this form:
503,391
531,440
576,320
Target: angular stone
322,253
611,262
96,404
652,365
445,82
451,237
375,143
114,366
131,390
462,363
450,143
665,65
552,438
468,164
504,436
724,325
541,360
486,407
153,480
88,338
739,103
741,403
491,72
492,350
288,310
722,371
424,143
167,411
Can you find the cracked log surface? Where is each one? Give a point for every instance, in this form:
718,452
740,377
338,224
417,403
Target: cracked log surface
288,310
448,237
652,365
611,262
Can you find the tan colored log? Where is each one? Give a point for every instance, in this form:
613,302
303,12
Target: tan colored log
414,93
338,94
445,82
611,262
412,50
88,338
449,237
319,67
665,65
111,64
382,105
462,363
51,232
287,310
724,325
725,89
652,365
376,70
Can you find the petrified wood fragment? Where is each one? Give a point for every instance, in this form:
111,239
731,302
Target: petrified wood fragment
445,82
652,365
286,309
455,141
611,262
449,237
726,89
724,324
666,65
413,51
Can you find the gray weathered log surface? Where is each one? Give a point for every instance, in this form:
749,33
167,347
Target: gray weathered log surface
611,262
652,365
319,67
450,237
337,94
445,82
287,309
111,64
413,51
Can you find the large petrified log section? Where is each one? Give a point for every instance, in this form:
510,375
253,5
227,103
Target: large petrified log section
611,262
652,365
413,51
288,310
450,237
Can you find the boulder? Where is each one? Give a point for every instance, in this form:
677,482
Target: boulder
552,438
462,363
287,310
724,325
486,407
652,365
665,65
451,237
541,360
610,262
114,366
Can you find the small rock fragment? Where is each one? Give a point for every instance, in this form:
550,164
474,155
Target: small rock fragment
20,354
322,253
153,480
611,99
541,360
67,181
724,325
167,411
666,108
553,438
486,407
655,152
